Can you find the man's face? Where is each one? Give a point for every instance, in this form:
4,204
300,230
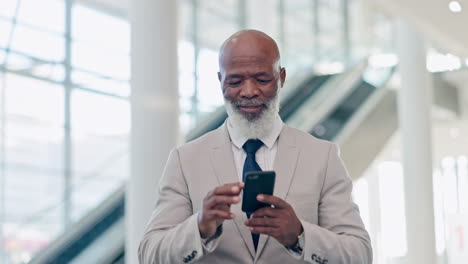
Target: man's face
250,82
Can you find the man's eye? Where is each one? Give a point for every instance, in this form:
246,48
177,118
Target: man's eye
233,83
263,81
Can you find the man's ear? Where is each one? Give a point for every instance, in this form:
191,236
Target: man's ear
282,76
219,76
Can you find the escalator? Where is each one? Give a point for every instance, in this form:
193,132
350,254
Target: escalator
302,107
361,121
332,124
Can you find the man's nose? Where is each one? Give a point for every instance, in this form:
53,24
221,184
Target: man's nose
249,89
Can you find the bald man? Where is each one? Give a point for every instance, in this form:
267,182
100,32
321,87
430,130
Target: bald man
198,217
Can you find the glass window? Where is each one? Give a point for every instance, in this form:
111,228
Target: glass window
209,93
5,32
32,129
33,145
100,51
264,16
112,65
34,120
32,116
97,114
298,51
32,218
30,191
185,20
51,71
8,8
227,9
100,167
186,69
14,61
102,31
96,174
331,47
223,14
186,85
100,83
38,44
38,14
100,132
212,37
2,57
34,100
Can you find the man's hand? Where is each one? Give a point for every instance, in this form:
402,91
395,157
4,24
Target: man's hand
279,222
216,208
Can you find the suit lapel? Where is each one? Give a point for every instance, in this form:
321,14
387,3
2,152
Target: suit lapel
284,166
223,164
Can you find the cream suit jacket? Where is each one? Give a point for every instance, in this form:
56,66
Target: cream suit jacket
309,175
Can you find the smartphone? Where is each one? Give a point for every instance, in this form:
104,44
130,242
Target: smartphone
257,182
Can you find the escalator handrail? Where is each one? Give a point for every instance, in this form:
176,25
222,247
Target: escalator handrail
96,222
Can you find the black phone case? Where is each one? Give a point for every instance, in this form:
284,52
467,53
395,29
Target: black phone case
257,182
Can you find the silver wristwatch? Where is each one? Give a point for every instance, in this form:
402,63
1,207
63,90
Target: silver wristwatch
298,247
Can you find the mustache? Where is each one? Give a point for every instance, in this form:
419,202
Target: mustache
255,102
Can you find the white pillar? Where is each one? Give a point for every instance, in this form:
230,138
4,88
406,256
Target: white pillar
154,107
414,110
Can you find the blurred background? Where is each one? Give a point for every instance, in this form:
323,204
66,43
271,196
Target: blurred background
66,113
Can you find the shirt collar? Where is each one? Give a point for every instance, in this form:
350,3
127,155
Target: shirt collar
269,140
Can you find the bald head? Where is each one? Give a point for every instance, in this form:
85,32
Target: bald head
248,44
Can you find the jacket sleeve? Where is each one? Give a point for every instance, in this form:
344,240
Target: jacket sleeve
340,236
172,234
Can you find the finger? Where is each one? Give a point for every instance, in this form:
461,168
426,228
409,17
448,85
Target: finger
218,214
270,199
265,222
229,189
271,231
222,207
266,212
221,200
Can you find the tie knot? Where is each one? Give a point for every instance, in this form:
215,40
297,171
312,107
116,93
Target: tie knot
252,145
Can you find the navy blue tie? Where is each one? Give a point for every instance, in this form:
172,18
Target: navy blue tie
251,147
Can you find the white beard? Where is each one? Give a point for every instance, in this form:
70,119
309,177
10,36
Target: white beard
252,126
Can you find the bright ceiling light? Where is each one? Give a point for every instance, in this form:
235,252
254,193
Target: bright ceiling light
455,6
466,62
